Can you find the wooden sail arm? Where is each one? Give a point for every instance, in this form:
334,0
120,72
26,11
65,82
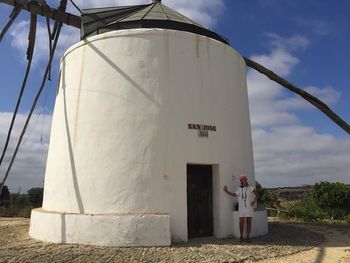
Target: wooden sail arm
46,11
305,95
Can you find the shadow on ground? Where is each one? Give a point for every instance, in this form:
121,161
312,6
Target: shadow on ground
283,239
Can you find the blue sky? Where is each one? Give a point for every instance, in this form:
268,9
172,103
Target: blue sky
325,62
307,42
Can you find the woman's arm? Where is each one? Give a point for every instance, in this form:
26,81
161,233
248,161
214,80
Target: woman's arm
256,196
228,192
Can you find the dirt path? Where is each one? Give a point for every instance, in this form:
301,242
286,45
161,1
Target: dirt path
334,249
284,243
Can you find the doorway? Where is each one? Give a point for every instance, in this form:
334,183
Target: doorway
199,200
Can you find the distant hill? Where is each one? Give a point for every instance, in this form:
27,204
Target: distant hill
291,193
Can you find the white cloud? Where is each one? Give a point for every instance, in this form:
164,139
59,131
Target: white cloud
315,25
264,94
297,155
287,152
291,43
19,40
270,103
18,30
265,114
29,167
328,94
279,60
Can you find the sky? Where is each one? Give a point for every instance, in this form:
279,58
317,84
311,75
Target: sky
305,41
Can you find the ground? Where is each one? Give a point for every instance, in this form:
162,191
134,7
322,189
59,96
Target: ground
334,249
286,242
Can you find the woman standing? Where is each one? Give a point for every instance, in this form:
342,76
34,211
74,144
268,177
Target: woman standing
247,197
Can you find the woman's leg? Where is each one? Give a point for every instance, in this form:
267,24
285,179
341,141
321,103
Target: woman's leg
249,227
241,227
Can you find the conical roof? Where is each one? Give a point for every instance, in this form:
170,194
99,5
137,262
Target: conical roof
155,15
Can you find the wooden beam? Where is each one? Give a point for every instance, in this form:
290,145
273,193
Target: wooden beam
305,95
46,11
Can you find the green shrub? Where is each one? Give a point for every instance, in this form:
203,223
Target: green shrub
347,218
266,198
35,196
339,214
334,198
15,212
21,204
19,201
307,210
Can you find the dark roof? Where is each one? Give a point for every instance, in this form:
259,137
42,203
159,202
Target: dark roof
155,15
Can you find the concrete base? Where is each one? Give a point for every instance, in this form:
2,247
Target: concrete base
122,230
259,224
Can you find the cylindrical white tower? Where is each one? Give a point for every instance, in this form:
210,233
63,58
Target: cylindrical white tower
143,117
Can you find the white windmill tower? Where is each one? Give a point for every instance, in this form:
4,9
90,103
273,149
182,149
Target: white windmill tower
151,120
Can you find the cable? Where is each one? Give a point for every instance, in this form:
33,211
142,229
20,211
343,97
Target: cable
59,26
31,128
75,5
31,36
42,124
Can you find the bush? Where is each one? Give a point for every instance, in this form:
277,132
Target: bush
339,213
347,218
20,205
19,201
15,212
266,198
5,196
334,198
306,209
35,196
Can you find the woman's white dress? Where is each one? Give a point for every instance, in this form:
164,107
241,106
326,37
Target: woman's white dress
245,196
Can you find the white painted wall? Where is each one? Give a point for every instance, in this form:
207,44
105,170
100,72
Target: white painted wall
120,141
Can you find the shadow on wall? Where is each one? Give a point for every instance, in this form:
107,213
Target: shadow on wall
70,146
122,73
68,130
63,229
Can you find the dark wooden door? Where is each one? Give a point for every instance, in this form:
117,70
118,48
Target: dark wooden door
199,200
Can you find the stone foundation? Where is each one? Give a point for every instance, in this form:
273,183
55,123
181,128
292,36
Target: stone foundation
122,230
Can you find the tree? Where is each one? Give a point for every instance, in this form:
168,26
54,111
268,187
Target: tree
35,196
19,200
5,197
266,197
333,198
